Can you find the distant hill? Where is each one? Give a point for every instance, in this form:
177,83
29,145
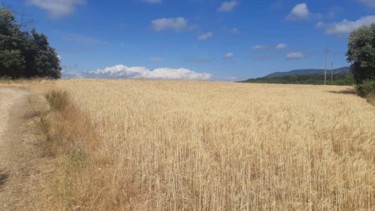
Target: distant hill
340,76
342,70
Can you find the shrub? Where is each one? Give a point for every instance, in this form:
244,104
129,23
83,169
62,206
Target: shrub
366,89
5,78
349,79
57,99
361,53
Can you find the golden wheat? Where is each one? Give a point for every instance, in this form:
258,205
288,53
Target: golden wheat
177,145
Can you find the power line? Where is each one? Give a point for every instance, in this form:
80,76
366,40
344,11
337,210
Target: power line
331,73
326,52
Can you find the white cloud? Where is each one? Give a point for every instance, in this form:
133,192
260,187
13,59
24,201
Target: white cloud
299,12
175,24
281,46
205,36
228,6
346,26
228,55
153,1
122,71
369,3
295,55
320,24
260,47
235,31
57,8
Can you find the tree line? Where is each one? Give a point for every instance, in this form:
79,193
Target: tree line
25,54
316,79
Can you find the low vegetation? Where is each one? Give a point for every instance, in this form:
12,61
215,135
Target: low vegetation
157,145
63,133
58,100
366,89
371,99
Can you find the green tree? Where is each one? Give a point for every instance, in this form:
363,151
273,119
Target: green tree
12,62
25,54
361,52
44,60
7,22
348,80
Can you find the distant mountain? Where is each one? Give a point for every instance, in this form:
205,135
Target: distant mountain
340,76
342,70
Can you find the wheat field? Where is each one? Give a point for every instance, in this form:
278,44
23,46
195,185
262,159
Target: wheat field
178,145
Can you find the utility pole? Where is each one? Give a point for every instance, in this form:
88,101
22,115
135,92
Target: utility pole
331,73
325,65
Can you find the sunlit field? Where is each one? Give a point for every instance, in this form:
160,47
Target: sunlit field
178,145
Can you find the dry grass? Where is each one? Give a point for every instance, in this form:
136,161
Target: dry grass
40,151
29,173
171,145
58,100
371,99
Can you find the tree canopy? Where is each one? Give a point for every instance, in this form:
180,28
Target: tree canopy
25,54
361,52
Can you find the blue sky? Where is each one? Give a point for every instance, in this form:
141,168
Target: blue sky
194,39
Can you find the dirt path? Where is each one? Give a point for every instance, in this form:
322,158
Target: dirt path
18,169
8,98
